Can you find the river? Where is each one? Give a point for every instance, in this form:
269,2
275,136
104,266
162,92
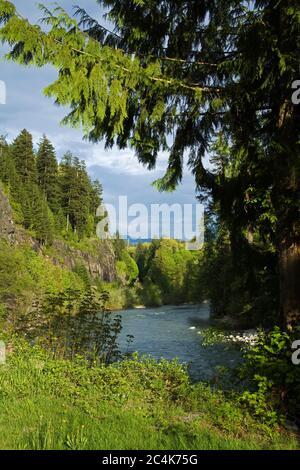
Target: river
175,332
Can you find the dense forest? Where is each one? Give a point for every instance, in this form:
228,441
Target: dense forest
48,198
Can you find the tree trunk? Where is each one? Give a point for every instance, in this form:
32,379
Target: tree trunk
289,264
287,178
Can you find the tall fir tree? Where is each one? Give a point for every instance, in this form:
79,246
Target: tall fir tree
24,158
7,167
23,189
67,176
42,217
47,166
96,196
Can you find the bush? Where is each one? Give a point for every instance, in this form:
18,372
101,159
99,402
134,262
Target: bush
71,323
274,379
127,269
25,276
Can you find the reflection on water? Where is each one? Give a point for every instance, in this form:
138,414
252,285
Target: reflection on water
171,332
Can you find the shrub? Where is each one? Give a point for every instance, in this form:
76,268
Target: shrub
274,379
71,323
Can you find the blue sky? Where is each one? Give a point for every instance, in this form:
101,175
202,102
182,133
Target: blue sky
26,107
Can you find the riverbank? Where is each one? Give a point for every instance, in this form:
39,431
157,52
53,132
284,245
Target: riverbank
136,404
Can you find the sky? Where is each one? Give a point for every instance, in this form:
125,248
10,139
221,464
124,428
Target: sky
119,171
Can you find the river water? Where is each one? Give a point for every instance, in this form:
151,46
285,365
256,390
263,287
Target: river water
175,332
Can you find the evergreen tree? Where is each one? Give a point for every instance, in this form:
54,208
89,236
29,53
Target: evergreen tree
67,177
96,196
46,164
81,202
7,167
24,158
79,197
42,218
25,185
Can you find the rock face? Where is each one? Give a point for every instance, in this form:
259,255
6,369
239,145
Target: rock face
7,227
99,260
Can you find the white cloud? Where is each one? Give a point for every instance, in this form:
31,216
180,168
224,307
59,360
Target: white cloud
122,161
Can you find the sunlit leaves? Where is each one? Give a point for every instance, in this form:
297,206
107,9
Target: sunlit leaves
98,81
7,10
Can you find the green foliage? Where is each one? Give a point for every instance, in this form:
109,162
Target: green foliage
151,294
164,267
127,268
47,171
80,198
49,199
53,404
211,336
24,159
19,173
83,273
120,296
26,276
15,280
71,323
273,376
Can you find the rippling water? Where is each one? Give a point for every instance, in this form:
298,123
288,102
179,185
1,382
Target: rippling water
175,332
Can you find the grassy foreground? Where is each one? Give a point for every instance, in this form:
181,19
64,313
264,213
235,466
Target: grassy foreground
49,403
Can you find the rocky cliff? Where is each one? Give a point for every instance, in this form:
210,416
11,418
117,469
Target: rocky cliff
7,226
98,258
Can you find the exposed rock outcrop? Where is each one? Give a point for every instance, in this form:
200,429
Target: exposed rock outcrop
7,226
98,258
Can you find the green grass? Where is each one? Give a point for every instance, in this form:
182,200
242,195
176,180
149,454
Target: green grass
138,404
